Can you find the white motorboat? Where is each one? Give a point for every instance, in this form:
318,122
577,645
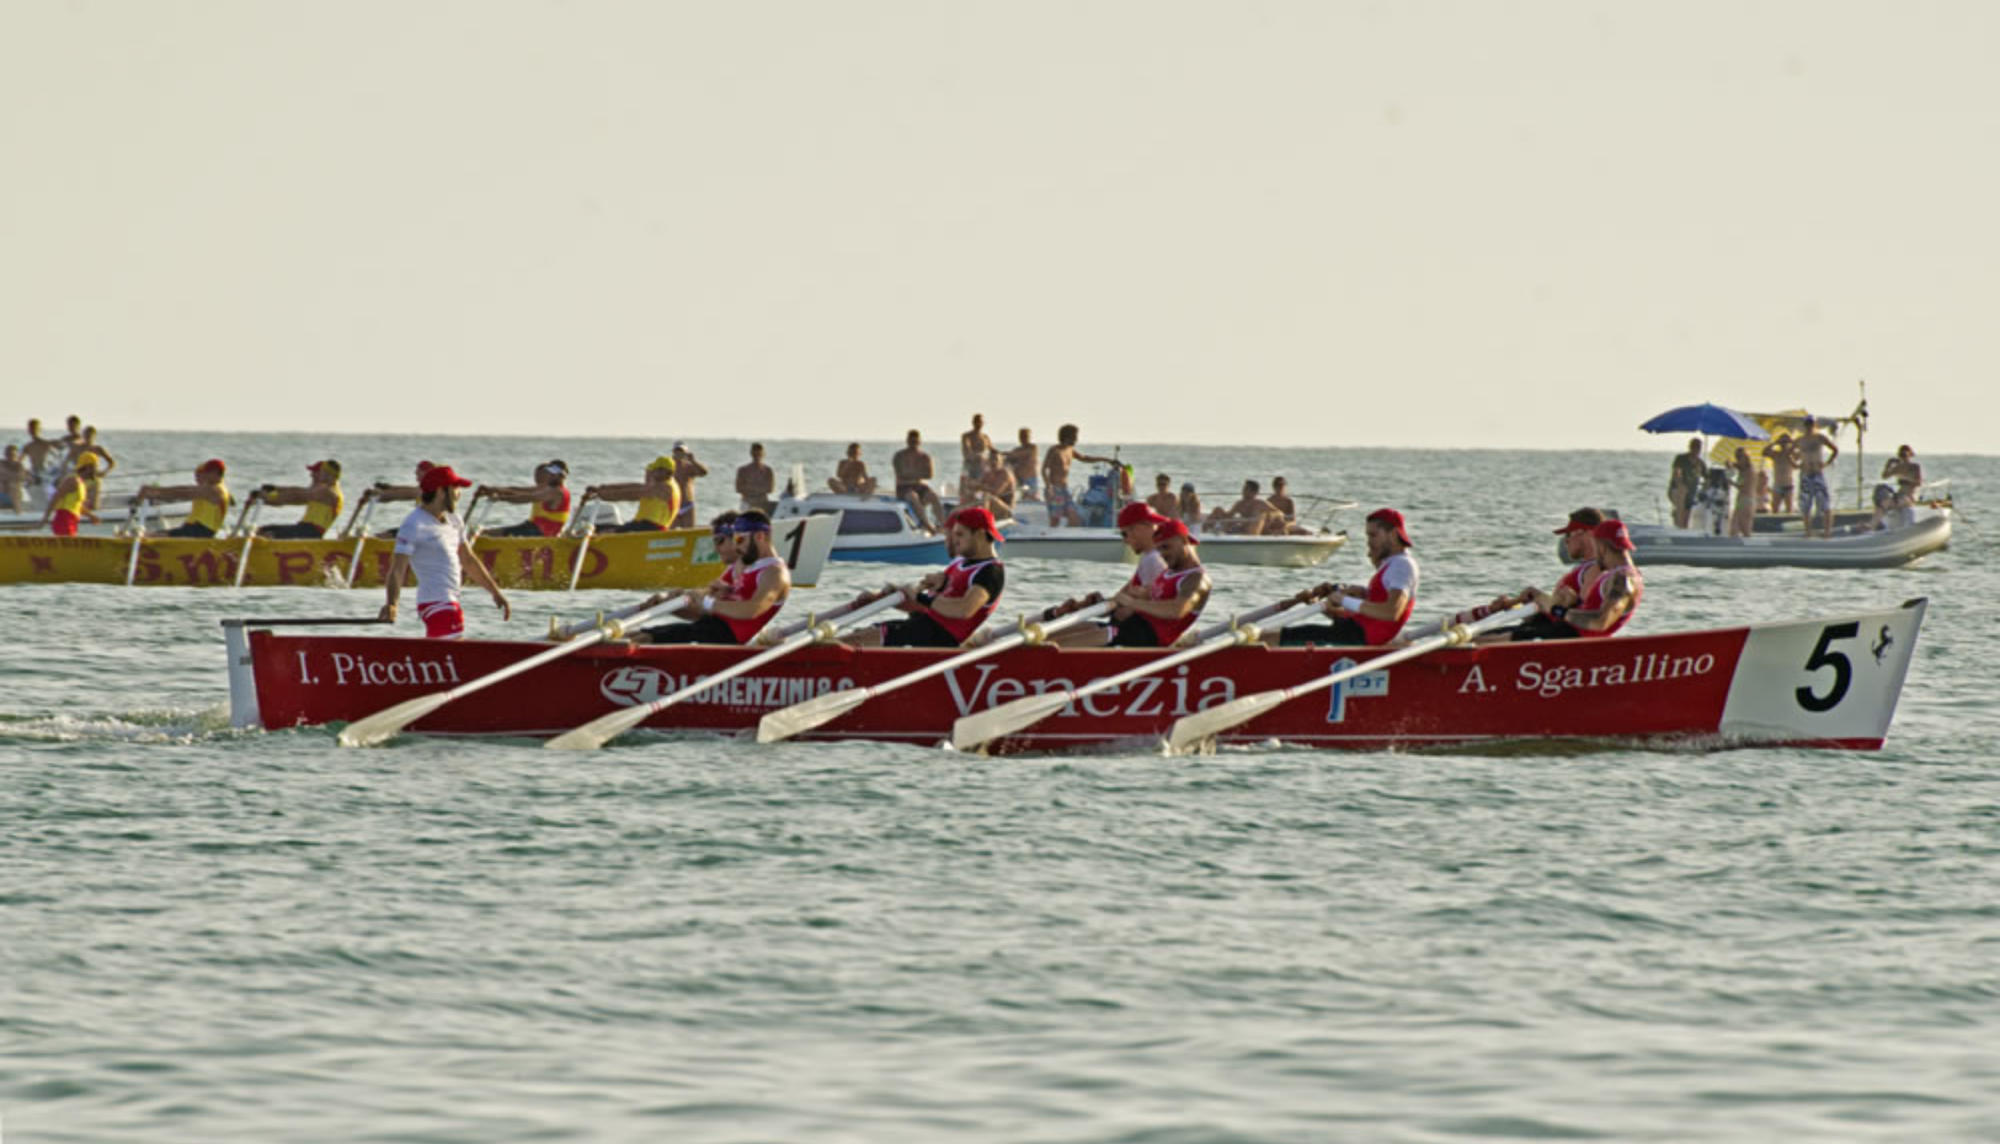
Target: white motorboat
1895,547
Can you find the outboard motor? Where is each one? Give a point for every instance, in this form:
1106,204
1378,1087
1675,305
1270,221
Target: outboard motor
1097,506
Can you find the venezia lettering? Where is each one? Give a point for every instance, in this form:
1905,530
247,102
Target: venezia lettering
1147,697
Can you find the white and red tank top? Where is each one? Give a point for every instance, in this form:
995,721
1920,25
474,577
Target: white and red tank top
1594,599
958,576
743,583
1168,587
1403,569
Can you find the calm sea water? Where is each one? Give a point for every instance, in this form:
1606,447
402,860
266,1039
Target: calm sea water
221,936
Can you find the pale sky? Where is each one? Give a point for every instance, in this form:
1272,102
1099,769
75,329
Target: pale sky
1311,223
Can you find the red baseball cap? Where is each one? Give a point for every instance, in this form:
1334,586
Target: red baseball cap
978,520
441,476
1613,532
1582,520
211,463
1138,512
1168,529
1393,519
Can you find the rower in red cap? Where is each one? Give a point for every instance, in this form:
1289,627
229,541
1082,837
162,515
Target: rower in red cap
1369,615
1152,613
208,500
1579,545
432,541
1609,599
950,605
743,599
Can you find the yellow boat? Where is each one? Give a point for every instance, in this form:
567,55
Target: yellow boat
635,561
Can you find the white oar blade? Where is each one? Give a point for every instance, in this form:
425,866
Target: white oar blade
973,730
802,717
1191,730
384,724
600,730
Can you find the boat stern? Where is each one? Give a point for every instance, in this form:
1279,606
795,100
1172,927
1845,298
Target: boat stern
1824,682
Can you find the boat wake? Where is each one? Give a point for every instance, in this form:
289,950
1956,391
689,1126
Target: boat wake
164,725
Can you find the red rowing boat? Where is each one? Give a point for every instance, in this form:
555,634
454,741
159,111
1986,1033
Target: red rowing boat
1809,683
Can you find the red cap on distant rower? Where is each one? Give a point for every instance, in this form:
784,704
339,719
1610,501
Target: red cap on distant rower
1168,529
978,520
211,463
440,476
1393,519
1613,532
1138,512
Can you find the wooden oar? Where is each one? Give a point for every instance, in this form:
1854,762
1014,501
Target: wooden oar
137,523
776,634
246,527
360,536
1254,616
605,728
1202,726
582,550
383,725
982,727
367,495
669,605
800,717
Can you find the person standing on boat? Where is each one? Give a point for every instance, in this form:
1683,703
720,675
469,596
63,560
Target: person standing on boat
687,471
1022,459
973,446
1744,519
1371,614
756,481
1685,482
659,497
322,498
69,504
35,453
547,500
850,477
432,542
1055,477
740,601
952,604
208,500
1783,454
914,472
1817,453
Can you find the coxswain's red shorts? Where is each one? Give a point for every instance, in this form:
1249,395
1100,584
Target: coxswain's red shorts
63,523
442,621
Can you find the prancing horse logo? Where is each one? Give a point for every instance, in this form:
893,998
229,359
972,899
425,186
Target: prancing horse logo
1882,644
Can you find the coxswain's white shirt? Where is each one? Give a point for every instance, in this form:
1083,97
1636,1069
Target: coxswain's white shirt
432,546
1400,571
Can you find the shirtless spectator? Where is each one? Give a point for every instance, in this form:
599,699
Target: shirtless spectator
1251,515
1685,483
687,471
1055,477
756,481
914,473
851,477
1817,453
87,446
1163,501
1021,459
1908,475
36,453
1281,500
13,481
973,446
1783,454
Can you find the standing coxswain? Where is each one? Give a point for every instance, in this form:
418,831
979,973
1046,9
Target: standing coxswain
208,500
432,541
950,605
71,501
1368,615
322,498
742,600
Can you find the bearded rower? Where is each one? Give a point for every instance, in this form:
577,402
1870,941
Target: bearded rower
1368,615
1580,546
1609,598
951,605
547,498
208,500
322,498
658,495
1163,598
432,541
742,600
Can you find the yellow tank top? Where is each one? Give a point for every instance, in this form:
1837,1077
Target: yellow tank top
323,515
71,502
660,510
211,514
551,522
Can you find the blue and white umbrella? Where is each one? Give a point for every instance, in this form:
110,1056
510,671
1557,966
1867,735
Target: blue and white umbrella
1709,420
